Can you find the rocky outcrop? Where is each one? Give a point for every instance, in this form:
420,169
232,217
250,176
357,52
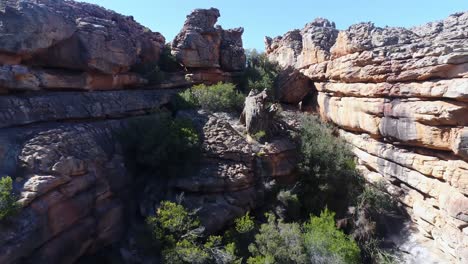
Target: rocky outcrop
301,48
70,176
231,172
256,116
49,44
400,98
202,46
63,151
63,65
292,86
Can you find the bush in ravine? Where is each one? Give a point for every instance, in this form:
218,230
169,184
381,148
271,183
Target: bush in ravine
278,242
370,219
260,73
8,205
155,72
167,61
328,175
324,242
160,145
219,97
316,241
181,240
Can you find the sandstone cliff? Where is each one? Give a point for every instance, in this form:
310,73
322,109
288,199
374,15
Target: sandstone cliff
50,44
58,134
400,98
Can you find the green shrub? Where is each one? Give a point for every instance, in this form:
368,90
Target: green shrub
245,224
278,242
8,205
328,176
373,253
260,73
289,207
172,221
160,145
167,61
316,241
218,97
260,135
322,238
370,221
155,71
181,240
151,71
372,206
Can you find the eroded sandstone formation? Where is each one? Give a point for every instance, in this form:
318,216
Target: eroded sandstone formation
400,98
70,175
210,52
47,44
59,137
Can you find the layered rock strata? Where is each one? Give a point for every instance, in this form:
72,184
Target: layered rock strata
400,97
49,44
232,170
69,173
211,52
59,135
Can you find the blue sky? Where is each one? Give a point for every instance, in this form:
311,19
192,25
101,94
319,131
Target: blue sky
275,17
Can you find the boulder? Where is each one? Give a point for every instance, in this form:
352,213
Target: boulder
256,116
202,45
292,86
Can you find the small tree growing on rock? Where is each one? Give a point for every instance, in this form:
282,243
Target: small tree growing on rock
8,205
181,239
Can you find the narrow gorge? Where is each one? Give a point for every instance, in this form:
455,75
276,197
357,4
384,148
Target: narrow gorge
75,76
399,96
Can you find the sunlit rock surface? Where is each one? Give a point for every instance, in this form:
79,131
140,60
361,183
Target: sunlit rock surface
400,97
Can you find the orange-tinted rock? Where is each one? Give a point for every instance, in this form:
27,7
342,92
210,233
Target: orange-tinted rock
405,92
202,45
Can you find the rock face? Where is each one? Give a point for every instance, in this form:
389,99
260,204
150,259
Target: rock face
200,45
229,182
70,177
49,44
62,150
400,97
256,116
58,135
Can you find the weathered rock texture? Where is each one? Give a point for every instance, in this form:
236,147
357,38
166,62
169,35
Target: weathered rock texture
70,177
400,97
202,46
232,173
58,136
48,44
76,193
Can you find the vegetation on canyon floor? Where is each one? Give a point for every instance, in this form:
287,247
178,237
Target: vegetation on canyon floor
180,237
298,226
299,223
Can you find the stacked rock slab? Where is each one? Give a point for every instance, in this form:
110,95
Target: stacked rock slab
211,53
48,44
400,97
